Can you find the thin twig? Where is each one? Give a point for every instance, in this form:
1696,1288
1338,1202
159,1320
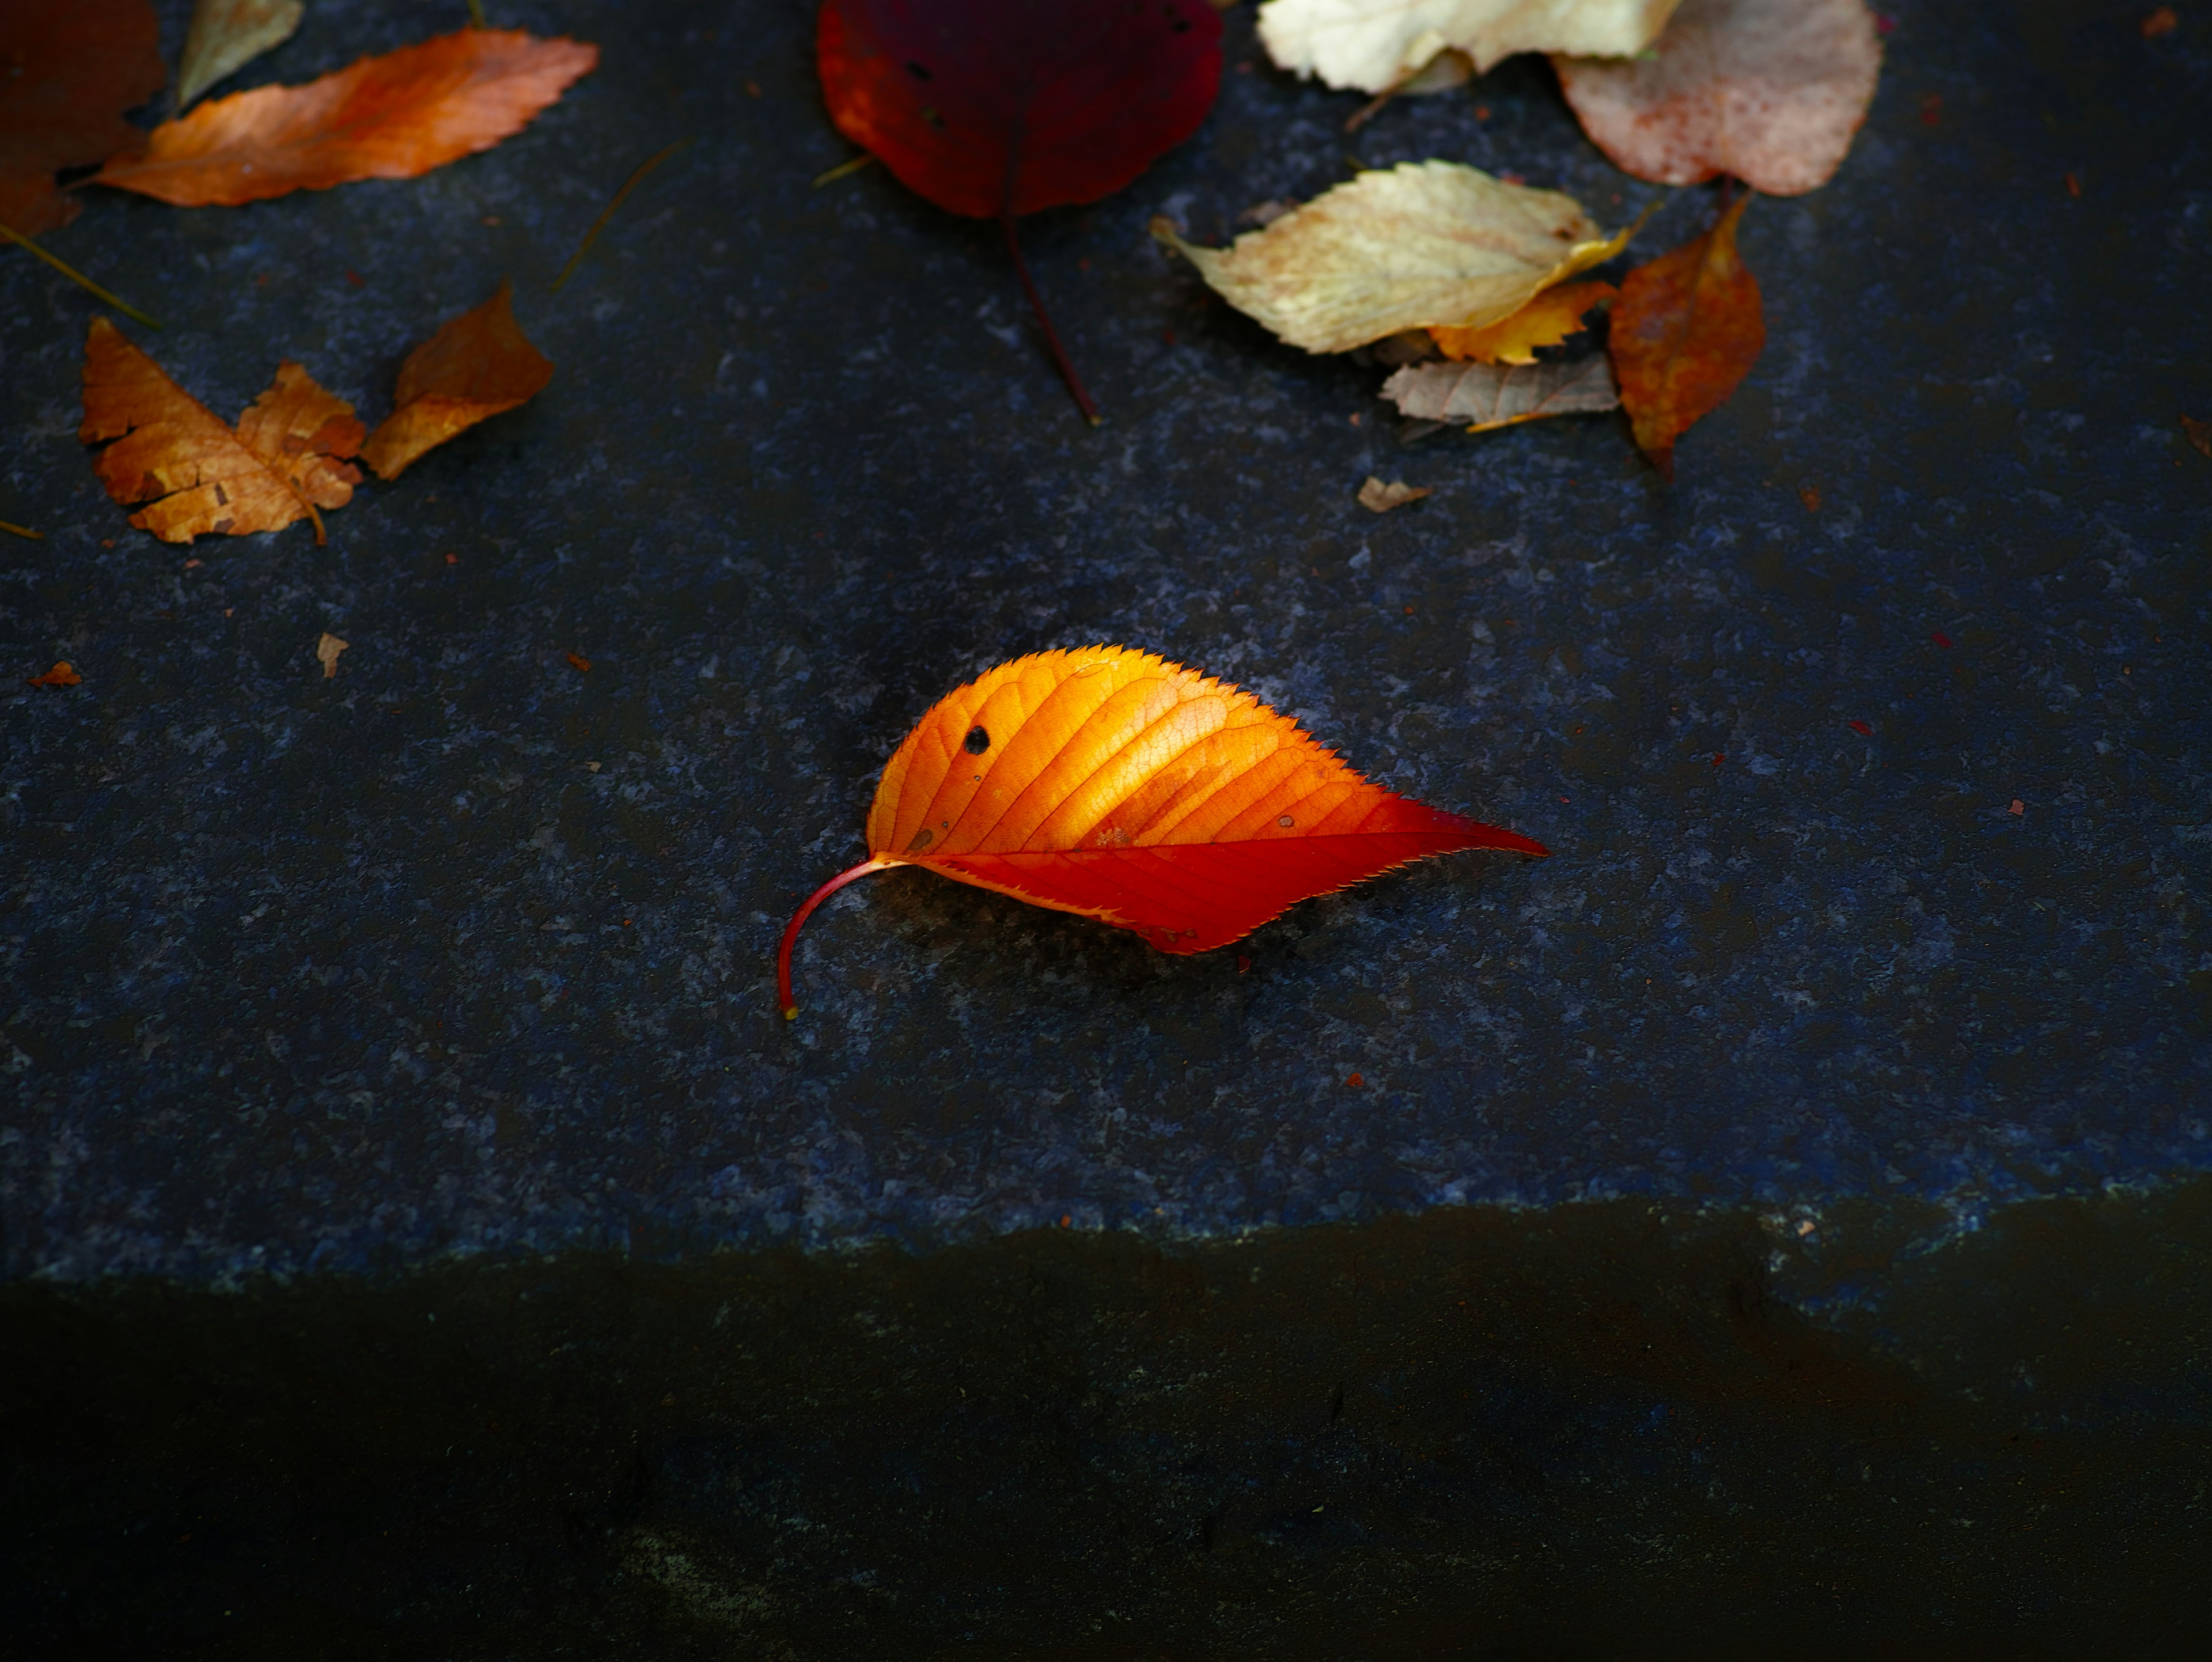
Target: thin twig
608,212
1044,321
844,169
77,276
475,16
23,530
1370,109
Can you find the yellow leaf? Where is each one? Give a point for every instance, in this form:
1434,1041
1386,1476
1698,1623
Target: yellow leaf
227,35
1378,44
1426,245
1543,322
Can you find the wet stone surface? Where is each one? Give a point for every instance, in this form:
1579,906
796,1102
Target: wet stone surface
465,948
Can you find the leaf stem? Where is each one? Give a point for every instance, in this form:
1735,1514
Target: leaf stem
608,212
23,530
1044,321
475,16
790,1005
77,277
843,169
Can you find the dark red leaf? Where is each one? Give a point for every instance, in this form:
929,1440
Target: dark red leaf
1863,728
1941,639
1004,107
996,108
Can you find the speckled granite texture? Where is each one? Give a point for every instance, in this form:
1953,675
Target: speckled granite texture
466,950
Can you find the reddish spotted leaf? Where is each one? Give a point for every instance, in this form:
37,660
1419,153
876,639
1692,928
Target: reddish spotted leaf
1113,784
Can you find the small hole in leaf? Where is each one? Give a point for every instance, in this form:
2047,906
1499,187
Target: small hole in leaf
917,71
1286,822
977,741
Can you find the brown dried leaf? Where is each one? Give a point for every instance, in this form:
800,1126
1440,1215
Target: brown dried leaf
68,71
1380,498
1686,331
476,366
300,431
1771,91
1491,395
209,478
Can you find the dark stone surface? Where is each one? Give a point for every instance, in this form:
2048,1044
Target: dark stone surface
465,950
1609,1430
1848,1295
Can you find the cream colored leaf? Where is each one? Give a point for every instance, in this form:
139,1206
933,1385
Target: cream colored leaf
226,36
1428,244
1772,91
326,653
1487,395
1377,45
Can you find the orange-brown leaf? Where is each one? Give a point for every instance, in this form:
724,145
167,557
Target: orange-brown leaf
209,478
68,71
476,366
1686,331
1113,784
392,117
61,675
1546,320
301,432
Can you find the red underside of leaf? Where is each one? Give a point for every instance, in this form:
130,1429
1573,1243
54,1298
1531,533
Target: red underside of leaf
1004,107
1194,896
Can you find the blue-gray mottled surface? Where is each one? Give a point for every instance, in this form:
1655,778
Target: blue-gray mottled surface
465,949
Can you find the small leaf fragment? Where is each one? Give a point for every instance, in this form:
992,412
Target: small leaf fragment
1770,91
1380,498
1110,783
61,675
1377,45
1421,246
1686,331
205,477
1493,395
393,117
226,36
2199,435
1547,320
476,365
326,653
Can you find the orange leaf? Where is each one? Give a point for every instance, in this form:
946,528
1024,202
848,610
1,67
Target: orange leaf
1686,329
392,117
1772,91
61,675
1113,784
68,71
279,465
476,366
1543,322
